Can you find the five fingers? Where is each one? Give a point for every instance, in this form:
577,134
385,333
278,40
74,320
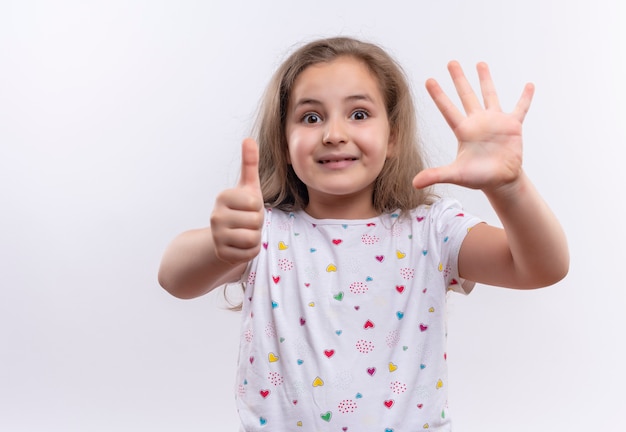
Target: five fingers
479,121
468,97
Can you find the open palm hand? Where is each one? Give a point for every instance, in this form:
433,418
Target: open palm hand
489,154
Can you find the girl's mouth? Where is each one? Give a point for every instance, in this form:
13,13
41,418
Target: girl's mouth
326,161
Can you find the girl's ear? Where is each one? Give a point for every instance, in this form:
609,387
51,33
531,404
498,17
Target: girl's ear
391,144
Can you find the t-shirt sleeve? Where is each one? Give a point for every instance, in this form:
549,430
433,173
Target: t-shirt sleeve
450,226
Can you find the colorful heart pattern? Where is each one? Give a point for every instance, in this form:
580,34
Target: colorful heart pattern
351,316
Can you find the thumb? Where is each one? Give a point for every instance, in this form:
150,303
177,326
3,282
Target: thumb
249,164
431,176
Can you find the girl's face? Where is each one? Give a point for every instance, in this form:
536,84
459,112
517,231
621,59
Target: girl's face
338,137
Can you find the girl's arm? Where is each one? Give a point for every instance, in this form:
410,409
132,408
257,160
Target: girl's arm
190,266
199,260
531,251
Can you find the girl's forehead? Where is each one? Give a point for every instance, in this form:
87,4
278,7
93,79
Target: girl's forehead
344,74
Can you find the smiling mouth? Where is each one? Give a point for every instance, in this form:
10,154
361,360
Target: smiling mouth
326,161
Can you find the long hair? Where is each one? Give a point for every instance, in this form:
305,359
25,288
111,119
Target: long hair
393,189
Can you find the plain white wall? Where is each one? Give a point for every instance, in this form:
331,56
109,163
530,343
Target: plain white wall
121,120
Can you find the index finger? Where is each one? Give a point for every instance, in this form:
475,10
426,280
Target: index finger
447,108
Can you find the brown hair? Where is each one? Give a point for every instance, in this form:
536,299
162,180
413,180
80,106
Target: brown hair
393,189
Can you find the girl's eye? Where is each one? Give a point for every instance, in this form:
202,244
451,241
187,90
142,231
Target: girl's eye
311,118
360,115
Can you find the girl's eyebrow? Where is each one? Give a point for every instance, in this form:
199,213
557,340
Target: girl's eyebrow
351,98
359,97
306,101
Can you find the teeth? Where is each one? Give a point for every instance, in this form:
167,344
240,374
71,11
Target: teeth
336,160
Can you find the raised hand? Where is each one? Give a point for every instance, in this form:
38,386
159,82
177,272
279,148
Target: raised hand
238,214
489,154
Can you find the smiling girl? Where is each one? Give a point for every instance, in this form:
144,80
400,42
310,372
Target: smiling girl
346,256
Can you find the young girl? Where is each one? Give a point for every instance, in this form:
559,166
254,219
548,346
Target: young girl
346,257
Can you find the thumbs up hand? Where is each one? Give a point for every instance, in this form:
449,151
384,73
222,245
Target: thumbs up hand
238,214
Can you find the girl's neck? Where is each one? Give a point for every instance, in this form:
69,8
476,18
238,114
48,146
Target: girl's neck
341,208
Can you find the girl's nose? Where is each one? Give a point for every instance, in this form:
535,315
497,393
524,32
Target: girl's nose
335,132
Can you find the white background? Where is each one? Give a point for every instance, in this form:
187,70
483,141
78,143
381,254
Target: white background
121,120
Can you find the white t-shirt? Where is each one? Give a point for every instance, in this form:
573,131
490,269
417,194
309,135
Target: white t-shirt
343,322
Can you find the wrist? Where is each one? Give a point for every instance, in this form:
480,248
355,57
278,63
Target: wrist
508,191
